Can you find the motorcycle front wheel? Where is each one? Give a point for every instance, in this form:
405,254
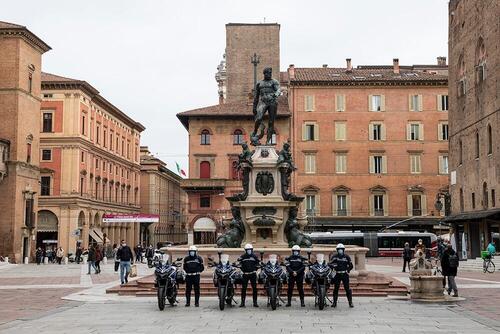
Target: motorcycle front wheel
222,297
161,297
172,298
272,298
321,297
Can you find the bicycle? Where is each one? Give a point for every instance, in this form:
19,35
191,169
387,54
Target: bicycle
488,265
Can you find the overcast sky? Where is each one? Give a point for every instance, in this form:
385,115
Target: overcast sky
153,59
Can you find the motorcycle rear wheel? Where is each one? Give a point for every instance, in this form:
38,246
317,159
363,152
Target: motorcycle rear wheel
161,297
272,298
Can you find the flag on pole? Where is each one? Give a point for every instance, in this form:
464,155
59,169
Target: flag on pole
180,171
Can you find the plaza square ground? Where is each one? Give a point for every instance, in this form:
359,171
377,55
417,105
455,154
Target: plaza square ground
64,299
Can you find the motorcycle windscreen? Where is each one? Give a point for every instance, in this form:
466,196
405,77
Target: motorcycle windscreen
164,258
320,258
224,258
273,259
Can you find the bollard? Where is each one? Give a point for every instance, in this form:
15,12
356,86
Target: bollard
6,259
65,260
45,260
26,260
105,260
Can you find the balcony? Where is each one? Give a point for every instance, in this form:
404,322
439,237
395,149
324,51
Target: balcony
203,184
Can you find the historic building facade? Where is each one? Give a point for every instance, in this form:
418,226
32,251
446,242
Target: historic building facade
370,144
89,156
161,194
20,72
473,40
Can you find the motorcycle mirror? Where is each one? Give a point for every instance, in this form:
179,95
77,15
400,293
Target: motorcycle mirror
179,259
210,259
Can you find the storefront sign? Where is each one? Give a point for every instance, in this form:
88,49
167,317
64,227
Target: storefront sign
124,218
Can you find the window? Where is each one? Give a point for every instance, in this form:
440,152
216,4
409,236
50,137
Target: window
493,198
204,170
204,201
45,185
310,163
82,158
81,186
485,195
104,137
415,102
30,83
461,200
442,102
473,199
310,132
340,163
414,131
97,134
443,164
460,152
377,164
375,130
238,137
477,145
96,163
416,205
340,131
378,205
490,140
28,152
376,103
111,141
235,173
341,205
340,102
47,122
309,103
83,125
415,166
46,155
205,137
311,205
443,131
123,148
480,61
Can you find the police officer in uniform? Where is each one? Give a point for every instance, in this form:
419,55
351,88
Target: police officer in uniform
342,265
193,266
295,268
249,263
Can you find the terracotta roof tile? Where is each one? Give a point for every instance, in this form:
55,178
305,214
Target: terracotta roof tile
8,25
49,77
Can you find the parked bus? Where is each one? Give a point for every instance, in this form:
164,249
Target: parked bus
379,243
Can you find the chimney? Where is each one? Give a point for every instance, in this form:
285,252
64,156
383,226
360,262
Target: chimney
291,72
348,65
441,61
395,64
325,65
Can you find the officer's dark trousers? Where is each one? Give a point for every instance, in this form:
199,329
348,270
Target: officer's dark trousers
344,278
253,281
299,279
193,281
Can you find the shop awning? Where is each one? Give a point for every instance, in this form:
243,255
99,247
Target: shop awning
96,234
493,213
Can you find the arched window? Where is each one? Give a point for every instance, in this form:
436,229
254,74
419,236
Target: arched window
205,137
477,145
204,170
238,137
462,85
490,140
480,61
461,200
460,152
485,195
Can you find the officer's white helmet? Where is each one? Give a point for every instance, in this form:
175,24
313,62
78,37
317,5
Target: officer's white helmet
296,248
248,246
193,248
340,246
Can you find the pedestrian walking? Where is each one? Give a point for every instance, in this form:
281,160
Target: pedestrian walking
449,266
126,257
98,259
115,257
39,255
59,255
150,253
78,254
406,256
91,259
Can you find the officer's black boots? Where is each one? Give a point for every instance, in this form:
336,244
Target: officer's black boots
242,302
302,304
289,303
349,298
255,304
334,304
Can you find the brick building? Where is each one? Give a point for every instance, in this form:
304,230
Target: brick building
20,71
473,40
370,144
161,194
89,156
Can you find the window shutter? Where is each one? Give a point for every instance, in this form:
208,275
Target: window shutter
440,131
334,204
316,132
337,163
343,102
386,204
306,102
411,107
304,129
382,102
372,164
370,203
439,106
423,200
440,164
382,129
370,105
384,164
408,131
348,204
313,103
340,102
370,131
313,163
317,205
409,205
421,131
420,103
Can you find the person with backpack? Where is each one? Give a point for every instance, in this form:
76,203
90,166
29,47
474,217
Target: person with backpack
449,265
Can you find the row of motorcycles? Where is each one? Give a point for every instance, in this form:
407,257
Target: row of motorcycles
227,275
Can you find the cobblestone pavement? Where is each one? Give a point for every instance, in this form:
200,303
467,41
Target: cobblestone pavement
51,306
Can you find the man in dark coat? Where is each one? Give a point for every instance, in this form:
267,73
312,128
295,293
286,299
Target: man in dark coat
406,256
449,265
